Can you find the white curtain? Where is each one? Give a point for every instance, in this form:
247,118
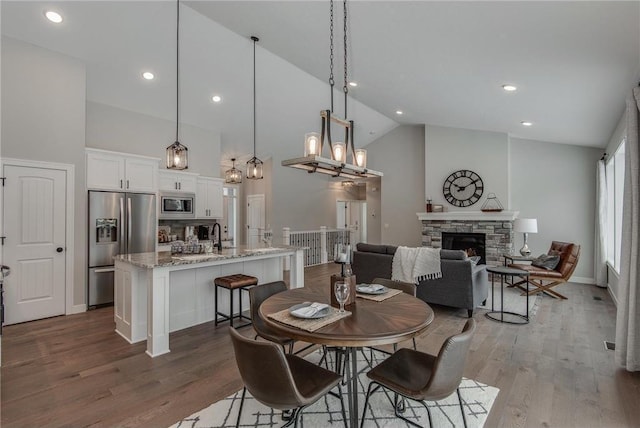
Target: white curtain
599,248
628,319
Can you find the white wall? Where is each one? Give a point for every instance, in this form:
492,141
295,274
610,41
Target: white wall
555,183
112,128
43,101
399,155
452,149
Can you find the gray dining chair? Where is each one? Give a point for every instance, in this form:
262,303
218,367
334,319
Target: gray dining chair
257,295
423,377
281,381
405,287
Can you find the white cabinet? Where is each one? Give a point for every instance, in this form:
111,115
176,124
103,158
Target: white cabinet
119,171
173,181
209,198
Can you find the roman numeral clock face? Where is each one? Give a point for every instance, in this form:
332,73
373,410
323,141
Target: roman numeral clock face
463,188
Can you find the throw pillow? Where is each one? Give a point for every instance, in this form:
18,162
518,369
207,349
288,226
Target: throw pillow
546,261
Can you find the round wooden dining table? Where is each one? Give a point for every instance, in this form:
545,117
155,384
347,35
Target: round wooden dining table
371,323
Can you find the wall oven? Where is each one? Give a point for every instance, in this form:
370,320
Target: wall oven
177,205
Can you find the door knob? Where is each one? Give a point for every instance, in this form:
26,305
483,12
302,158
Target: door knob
59,249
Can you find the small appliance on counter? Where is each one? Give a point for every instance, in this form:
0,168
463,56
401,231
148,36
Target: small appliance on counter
204,232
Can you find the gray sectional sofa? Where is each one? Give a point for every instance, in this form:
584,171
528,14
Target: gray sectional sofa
463,284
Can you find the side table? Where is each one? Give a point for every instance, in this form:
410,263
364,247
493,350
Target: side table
513,258
506,272
510,259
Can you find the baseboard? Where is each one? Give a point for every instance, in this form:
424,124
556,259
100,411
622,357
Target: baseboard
583,280
613,296
77,309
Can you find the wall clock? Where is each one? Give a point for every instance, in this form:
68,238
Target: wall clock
463,188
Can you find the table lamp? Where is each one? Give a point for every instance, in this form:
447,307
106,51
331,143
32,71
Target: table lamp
526,226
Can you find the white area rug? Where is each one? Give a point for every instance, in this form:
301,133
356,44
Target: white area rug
478,399
513,301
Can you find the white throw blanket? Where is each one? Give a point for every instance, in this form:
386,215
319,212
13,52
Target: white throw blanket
416,264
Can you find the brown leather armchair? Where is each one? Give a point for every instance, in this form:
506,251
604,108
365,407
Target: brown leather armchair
542,279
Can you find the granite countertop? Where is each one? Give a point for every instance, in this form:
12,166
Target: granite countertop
165,258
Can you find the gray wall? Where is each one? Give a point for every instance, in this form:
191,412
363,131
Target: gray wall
555,183
112,128
43,101
400,156
453,149
618,135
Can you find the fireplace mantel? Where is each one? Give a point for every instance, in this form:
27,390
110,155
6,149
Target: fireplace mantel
469,216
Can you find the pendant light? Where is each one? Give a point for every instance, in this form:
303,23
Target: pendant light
254,165
336,165
177,154
233,175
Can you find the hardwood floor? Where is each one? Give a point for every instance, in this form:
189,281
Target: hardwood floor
75,371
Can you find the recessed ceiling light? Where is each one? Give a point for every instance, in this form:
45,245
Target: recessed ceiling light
353,84
525,123
216,98
148,75
399,112
509,88
54,17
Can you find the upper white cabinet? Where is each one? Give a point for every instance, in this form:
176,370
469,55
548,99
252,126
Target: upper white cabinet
172,181
118,171
209,198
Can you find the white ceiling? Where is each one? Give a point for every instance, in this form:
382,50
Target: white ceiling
442,63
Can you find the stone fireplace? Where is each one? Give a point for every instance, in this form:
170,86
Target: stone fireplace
472,243
497,228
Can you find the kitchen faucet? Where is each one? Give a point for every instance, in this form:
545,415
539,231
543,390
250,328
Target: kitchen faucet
218,244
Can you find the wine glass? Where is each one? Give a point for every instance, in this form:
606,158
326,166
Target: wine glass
342,293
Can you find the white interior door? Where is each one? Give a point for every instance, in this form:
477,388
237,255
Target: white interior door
353,215
35,249
255,218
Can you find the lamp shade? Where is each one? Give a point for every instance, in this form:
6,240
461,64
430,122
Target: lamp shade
526,225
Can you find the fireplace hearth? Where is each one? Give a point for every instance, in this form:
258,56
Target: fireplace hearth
472,243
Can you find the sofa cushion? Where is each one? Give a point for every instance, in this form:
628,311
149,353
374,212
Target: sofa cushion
372,248
391,249
453,255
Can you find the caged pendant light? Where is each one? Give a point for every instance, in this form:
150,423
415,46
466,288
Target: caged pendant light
177,154
336,165
254,165
233,175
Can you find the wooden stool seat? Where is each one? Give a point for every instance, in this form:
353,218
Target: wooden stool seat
233,282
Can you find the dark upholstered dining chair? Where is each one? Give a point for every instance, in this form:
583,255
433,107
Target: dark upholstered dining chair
405,287
257,295
281,381
423,377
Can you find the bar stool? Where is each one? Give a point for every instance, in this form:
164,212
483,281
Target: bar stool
238,282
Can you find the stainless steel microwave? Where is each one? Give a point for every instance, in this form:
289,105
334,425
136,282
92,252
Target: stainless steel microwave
177,205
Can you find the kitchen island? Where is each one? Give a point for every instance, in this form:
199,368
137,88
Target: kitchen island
158,293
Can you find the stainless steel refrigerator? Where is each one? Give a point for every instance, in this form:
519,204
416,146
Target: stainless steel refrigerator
119,223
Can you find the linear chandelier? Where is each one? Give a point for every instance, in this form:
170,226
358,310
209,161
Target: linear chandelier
336,165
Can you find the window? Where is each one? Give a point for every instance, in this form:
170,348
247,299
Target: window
615,189
230,219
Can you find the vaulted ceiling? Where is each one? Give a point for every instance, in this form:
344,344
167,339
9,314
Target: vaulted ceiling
441,63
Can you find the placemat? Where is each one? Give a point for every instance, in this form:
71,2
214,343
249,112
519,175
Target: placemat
314,324
379,297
